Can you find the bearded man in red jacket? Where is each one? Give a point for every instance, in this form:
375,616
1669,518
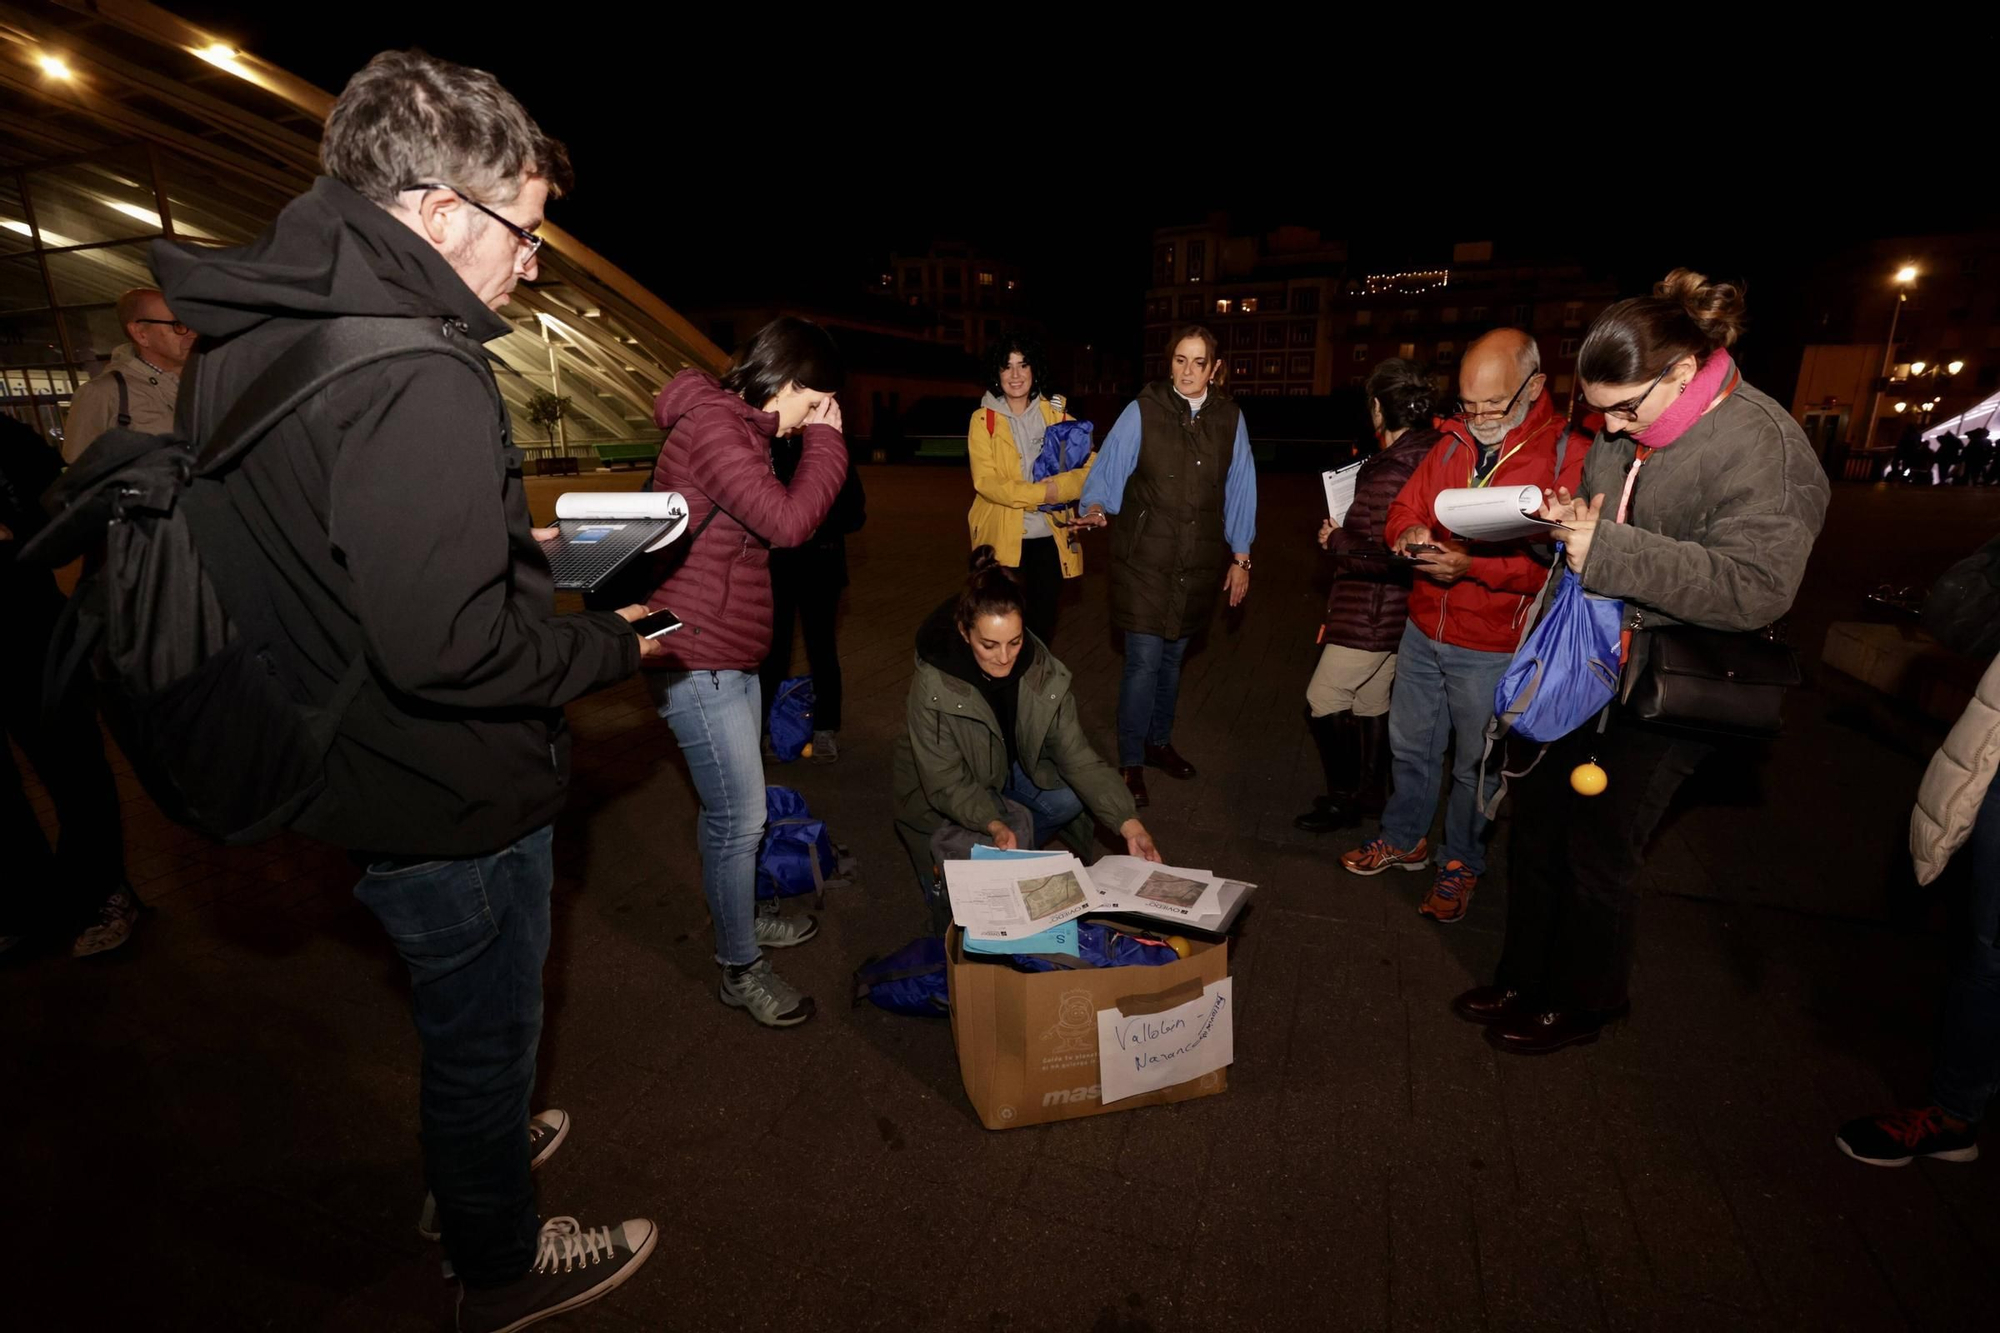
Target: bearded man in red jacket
1469,603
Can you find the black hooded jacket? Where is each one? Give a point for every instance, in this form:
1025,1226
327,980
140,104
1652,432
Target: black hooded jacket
386,517
940,644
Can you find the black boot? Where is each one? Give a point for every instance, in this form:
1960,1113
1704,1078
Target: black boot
1340,760
1371,785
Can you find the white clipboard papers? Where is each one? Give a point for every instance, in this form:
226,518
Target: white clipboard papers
599,533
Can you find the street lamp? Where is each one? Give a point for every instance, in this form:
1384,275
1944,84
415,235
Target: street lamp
1905,276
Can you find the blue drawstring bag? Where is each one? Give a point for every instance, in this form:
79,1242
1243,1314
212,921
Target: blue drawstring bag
909,981
1564,673
1065,447
1567,670
798,855
1100,946
791,718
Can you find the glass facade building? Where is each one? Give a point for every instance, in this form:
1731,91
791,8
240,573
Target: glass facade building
125,124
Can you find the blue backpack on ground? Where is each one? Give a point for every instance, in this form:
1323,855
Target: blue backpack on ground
791,720
909,981
798,855
1065,447
1563,674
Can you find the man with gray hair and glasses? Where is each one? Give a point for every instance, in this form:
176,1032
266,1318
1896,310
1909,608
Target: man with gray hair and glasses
377,551
1469,603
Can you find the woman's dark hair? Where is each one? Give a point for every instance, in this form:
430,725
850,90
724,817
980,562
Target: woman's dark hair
991,589
1208,340
1404,390
1687,315
1030,348
788,350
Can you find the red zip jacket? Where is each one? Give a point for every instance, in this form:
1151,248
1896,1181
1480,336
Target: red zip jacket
718,455
1485,609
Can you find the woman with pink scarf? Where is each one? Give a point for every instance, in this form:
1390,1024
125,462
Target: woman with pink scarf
1699,505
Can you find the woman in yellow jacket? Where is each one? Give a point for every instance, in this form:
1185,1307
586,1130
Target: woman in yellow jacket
1002,444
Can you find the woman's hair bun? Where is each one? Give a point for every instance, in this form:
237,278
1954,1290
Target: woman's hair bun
1716,307
982,559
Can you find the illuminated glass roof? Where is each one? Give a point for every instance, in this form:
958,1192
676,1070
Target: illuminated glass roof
125,123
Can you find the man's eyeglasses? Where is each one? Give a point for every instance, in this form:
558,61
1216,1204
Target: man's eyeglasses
522,234
1629,409
1469,410
173,324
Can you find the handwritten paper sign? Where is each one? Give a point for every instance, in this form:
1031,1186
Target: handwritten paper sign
1145,1052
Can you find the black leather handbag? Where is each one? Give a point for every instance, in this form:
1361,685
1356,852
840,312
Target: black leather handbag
1710,679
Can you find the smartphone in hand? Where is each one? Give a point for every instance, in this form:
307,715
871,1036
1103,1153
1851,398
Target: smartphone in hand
654,625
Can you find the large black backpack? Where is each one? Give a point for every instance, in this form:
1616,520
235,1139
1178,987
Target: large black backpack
196,702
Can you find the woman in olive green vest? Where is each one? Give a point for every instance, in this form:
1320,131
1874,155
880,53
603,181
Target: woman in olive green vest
1178,466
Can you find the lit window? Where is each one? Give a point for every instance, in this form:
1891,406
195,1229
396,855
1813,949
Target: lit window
985,279
1222,306
1408,351
1011,284
1248,305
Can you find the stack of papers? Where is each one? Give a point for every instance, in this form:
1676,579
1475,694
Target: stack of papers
1486,514
1012,898
1340,490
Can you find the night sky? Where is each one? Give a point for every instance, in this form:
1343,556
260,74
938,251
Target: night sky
717,169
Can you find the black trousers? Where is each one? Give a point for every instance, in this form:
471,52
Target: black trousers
1041,577
1573,861
42,891
800,591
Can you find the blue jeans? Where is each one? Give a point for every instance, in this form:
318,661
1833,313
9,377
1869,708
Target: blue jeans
473,934
1441,691
1966,1072
1147,694
1053,809
715,716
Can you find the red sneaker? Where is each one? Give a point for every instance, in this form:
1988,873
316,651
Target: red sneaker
1376,855
1450,897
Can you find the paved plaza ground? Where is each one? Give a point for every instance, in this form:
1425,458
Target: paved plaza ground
215,1127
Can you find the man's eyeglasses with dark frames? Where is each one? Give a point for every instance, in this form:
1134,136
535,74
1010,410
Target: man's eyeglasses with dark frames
526,237
1629,409
1467,411
173,324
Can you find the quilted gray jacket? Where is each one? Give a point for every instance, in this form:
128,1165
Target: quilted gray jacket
1722,521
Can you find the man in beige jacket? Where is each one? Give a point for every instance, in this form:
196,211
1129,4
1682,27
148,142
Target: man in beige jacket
142,381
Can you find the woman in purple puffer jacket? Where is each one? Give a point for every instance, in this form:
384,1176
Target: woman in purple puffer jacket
1348,697
718,454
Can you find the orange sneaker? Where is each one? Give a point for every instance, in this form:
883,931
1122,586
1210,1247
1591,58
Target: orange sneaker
1450,897
1376,855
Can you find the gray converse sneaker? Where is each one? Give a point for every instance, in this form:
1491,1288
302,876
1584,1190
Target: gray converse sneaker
765,994
112,927
825,748
574,1266
783,932
546,1132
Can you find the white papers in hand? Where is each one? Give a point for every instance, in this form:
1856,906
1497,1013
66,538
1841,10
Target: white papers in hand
1004,900
1340,490
1144,1052
1491,513
664,505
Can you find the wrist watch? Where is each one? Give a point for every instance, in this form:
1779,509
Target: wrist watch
1242,562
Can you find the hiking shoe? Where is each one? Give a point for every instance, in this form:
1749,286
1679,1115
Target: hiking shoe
573,1266
1376,855
770,1000
546,1133
112,928
825,748
783,932
1894,1139
1450,897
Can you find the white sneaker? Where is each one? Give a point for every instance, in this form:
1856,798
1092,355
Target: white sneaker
784,932
112,927
770,1000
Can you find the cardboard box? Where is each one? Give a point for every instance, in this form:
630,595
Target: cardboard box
1027,1041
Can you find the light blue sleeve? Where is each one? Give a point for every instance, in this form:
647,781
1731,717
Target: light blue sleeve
1239,493
1116,458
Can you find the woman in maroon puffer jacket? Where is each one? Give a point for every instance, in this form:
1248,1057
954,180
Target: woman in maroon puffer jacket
718,455
1348,696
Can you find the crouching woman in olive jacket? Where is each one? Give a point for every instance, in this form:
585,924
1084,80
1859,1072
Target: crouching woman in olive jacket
992,751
